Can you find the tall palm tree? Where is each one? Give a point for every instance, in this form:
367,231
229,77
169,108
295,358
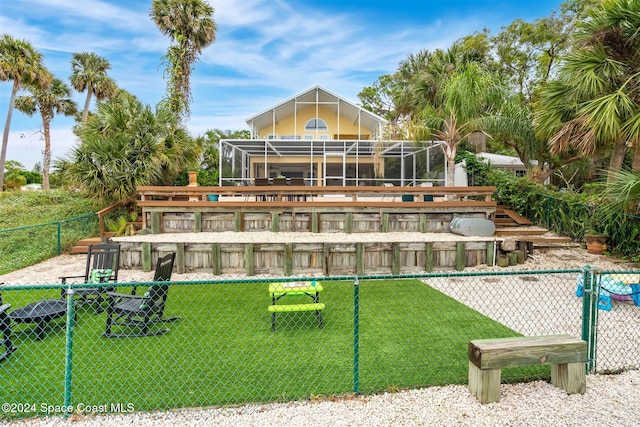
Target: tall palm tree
467,95
54,99
21,64
190,25
89,72
594,105
127,144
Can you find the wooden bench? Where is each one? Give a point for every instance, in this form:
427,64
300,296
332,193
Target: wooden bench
566,355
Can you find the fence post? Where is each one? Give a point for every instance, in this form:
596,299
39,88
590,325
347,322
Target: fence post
69,350
590,315
59,238
356,335
548,213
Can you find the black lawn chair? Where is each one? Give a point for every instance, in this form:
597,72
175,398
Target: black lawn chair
5,328
134,314
103,261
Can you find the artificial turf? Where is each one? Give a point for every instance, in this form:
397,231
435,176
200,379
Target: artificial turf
222,350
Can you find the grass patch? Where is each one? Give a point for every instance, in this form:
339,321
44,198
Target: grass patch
222,351
38,211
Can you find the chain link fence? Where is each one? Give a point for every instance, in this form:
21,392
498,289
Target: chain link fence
222,345
28,245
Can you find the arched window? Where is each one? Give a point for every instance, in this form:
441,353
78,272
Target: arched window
316,124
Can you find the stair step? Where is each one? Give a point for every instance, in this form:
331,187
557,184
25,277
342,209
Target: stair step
79,249
521,231
546,239
89,241
82,247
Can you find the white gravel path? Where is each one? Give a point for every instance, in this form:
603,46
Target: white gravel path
609,401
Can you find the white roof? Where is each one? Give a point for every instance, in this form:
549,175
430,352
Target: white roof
348,110
501,160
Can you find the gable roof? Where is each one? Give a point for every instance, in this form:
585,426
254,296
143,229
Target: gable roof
348,110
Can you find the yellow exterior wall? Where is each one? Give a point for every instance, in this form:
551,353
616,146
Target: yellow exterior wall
294,125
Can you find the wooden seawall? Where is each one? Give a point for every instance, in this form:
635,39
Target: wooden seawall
272,254
251,230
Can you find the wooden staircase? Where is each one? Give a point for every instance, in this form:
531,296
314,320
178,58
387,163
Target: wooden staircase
505,217
82,247
511,224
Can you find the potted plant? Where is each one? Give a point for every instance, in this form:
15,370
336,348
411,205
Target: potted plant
596,242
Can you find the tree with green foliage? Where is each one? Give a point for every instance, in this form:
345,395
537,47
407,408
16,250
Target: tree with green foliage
127,144
52,100
190,25
593,107
464,97
21,64
89,73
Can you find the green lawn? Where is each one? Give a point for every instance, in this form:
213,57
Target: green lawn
30,221
222,351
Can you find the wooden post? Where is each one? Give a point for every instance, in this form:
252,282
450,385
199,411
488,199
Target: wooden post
503,261
571,377
491,248
146,256
216,259
315,227
288,259
428,257
461,260
180,262
238,222
326,253
156,223
385,222
422,222
348,222
197,222
248,259
522,252
484,384
275,222
395,266
360,259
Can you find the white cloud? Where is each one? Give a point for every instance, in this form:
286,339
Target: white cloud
26,145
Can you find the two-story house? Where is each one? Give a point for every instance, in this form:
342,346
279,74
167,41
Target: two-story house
326,140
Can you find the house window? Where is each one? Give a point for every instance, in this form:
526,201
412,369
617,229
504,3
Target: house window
316,124
520,173
272,136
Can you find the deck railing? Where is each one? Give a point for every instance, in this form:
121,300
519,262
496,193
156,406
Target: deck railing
285,192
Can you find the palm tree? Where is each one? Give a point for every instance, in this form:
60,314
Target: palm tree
594,105
191,27
89,72
54,99
465,96
126,144
22,64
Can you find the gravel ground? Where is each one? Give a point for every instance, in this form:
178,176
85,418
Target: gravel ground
609,400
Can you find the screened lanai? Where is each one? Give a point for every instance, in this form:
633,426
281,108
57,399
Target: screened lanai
332,162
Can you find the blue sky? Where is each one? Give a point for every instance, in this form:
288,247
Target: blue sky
265,51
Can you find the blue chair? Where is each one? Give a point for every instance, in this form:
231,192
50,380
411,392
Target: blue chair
612,288
604,298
